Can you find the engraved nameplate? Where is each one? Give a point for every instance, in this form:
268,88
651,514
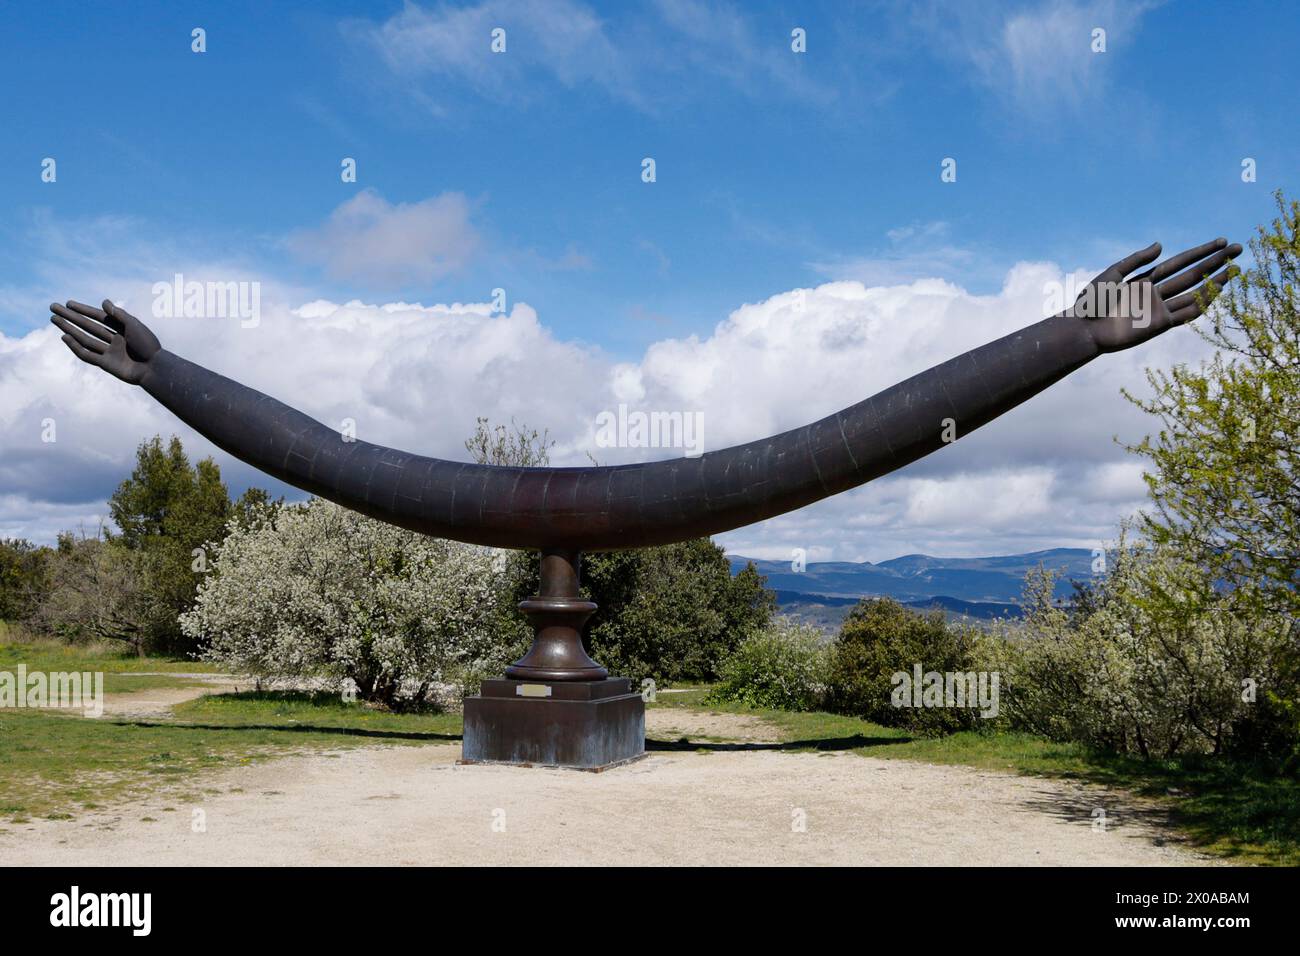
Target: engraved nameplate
532,690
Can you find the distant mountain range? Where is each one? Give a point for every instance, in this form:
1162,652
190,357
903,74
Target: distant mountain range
980,588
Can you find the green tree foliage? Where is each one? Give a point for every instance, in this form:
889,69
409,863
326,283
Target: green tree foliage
671,613
1223,469
881,638
169,512
517,445
1153,662
1223,472
23,578
98,590
255,505
134,584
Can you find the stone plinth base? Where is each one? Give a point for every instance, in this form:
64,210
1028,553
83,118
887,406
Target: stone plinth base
586,725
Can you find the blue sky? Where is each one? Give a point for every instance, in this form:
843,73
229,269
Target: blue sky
522,170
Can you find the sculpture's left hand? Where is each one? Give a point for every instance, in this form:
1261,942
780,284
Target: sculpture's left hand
110,338
1122,311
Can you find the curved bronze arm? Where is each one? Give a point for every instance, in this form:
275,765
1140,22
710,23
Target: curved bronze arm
631,506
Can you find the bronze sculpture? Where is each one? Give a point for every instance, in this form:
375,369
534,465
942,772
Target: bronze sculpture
562,512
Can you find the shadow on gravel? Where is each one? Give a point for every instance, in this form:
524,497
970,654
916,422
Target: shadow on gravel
295,729
1104,810
827,744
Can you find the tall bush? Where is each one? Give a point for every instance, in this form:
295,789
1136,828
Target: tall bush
671,613
781,666
1153,660
879,639
321,591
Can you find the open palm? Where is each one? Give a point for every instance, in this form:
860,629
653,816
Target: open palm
1123,311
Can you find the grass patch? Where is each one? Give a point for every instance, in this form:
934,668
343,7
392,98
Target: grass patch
48,654
53,763
681,697
124,672
118,684
323,713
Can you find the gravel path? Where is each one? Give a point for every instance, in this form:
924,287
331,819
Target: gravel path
158,701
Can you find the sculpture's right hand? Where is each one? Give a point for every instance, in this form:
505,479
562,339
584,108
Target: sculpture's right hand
110,338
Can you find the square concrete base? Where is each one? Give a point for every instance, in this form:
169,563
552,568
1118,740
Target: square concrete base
586,725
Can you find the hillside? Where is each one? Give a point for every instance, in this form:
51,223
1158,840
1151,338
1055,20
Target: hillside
981,588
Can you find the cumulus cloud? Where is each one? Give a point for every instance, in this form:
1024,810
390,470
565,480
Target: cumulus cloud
416,376
371,239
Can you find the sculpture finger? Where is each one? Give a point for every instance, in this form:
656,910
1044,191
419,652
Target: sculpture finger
1181,261
1220,279
1192,304
91,358
1133,261
88,342
97,329
99,315
143,343
1190,277
90,311
115,313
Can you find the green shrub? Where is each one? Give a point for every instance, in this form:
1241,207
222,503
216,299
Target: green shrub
782,666
24,578
320,591
1155,661
880,639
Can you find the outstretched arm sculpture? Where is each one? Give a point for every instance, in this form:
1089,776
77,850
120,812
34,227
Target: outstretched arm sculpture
564,511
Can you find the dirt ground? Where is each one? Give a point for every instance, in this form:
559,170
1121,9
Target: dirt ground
158,701
417,806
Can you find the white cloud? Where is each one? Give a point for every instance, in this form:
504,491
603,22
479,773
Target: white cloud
1116,483
562,40
1046,474
719,40
567,44
369,238
917,251
996,500
1037,56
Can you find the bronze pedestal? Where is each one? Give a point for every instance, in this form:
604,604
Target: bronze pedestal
556,707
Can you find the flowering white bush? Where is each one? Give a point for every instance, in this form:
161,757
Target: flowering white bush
1153,660
781,666
320,591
